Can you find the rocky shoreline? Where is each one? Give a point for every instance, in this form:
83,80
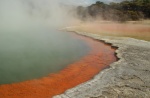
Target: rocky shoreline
129,77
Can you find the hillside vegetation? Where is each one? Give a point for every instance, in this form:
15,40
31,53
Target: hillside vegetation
123,11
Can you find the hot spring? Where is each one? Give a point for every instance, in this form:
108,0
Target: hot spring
32,54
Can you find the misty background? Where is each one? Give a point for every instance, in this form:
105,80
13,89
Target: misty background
18,14
21,14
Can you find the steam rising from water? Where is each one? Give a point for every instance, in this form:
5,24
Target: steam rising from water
29,48
18,14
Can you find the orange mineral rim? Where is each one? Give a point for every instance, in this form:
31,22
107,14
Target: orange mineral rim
100,56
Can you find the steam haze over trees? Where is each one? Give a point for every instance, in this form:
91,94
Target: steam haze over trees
123,11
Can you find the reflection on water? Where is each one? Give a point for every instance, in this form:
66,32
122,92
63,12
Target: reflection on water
33,54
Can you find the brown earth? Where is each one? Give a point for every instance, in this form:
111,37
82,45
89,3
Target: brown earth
100,57
137,30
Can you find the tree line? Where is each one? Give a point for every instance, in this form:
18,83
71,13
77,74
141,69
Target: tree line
123,11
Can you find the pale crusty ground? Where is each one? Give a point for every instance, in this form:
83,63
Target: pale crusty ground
127,78
134,29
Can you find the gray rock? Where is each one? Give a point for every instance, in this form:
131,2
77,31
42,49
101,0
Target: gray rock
127,78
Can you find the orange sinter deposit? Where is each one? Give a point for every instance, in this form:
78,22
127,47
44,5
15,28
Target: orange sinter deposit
100,56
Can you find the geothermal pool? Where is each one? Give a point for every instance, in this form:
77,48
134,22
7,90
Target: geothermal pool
36,53
85,60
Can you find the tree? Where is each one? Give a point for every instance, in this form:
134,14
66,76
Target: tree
123,11
99,3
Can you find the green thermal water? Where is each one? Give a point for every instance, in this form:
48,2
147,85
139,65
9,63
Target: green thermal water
34,54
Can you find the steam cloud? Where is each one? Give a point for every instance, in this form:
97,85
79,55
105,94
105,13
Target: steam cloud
18,14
